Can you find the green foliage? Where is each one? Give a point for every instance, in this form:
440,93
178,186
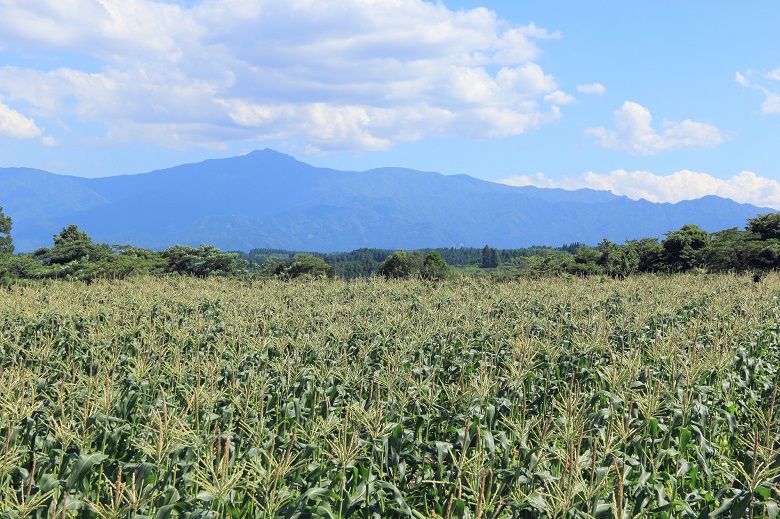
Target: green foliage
766,226
650,253
683,248
303,265
741,251
489,258
554,264
25,267
6,244
202,262
128,261
620,261
402,265
653,396
434,266
587,255
586,261
75,256
72,245
365,262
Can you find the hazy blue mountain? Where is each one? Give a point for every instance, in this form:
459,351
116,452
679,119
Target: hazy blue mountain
267,199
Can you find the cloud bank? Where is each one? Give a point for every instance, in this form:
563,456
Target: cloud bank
635,135
746,187
329,75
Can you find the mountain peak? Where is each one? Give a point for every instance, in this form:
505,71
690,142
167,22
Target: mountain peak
267,199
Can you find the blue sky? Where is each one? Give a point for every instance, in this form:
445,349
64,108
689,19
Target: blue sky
657,100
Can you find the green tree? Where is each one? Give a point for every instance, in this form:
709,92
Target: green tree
434,266
204,261
766,226
618,260
611,257
6,244
683,248
586,254
401,264
741,251
489,258
71,245
586,261
304,265
14,268
553,263
650,254
127,261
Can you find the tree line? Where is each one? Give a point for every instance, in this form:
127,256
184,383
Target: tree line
366,262
74,255
754,249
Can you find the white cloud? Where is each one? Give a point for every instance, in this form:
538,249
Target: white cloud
746,187
635,134
103,28
15,125
771,104
592,89
352,74
559,98
337,125
775,74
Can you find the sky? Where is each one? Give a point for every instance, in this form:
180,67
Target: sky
662,100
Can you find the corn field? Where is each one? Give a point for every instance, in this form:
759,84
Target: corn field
652,396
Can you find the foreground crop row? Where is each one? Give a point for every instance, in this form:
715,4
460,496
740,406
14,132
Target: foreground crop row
651,396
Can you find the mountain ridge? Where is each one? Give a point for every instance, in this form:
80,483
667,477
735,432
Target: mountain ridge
266,199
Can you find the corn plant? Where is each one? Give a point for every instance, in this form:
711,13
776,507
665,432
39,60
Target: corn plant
653,396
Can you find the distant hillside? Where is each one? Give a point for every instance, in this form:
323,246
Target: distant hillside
269,200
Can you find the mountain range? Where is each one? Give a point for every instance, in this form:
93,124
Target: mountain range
266,199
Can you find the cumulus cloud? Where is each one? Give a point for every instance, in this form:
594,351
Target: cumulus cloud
635,134
15,125
746,187
592,89
346,75
771,104
559,98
